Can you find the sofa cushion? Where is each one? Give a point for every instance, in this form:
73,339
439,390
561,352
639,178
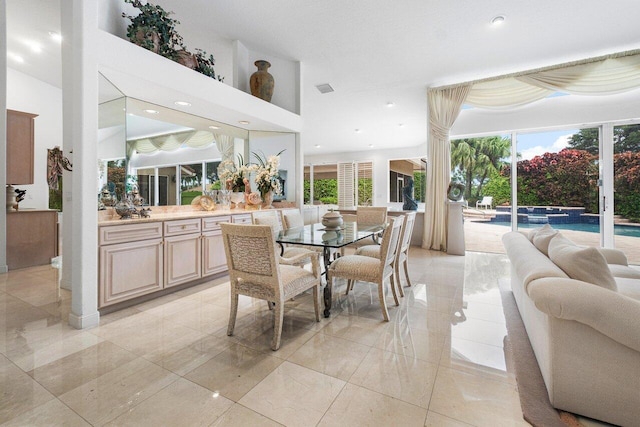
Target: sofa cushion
581,263
542,238
625,271
628,287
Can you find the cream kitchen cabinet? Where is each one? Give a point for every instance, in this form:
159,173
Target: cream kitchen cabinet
131,260
182,251
213,255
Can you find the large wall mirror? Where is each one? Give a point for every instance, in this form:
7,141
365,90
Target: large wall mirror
169,156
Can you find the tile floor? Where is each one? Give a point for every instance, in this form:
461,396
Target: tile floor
439,362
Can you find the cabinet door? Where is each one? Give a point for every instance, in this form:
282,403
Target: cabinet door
241,219
20,135
214,259
129,270
182,259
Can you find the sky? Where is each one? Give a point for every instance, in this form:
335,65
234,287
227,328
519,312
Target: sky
535,144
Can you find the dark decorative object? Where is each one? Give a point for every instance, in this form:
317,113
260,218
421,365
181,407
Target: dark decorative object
407,193
56,162
262,82
455,191
155,30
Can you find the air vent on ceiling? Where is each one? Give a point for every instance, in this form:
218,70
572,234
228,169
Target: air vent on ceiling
324,88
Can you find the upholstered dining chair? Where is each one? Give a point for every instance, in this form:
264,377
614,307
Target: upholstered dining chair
369,269
255,271
368,215
402,254
270,217
291,218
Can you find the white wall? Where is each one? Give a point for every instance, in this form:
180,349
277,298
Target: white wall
380,160
24,93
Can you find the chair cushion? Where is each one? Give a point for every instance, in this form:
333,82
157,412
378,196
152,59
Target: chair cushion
363,267
293,220
581,263
542,238
296,280
369,250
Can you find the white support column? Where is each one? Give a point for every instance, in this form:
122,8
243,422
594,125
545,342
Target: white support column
514,181
3,135
80,129
607,239
299,172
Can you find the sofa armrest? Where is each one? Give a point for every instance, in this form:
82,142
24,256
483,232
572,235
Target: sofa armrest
614,256
610,313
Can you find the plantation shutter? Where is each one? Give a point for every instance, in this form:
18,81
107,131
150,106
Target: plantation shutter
346,187
364,184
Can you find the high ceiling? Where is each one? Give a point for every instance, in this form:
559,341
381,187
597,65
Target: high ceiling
376,52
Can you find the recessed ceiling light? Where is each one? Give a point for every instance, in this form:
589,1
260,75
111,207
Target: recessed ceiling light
183,103
15,57
244,122
498,20
390,104
151,111
214,127
55,36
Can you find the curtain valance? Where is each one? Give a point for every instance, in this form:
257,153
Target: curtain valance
193,139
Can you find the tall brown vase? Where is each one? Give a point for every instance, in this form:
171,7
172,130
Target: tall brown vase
261,81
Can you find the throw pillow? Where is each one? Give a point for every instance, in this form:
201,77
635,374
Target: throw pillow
581,263
532,233
543,237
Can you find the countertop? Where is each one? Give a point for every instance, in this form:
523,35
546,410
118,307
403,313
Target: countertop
109,217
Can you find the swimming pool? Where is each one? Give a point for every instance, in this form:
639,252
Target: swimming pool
618,230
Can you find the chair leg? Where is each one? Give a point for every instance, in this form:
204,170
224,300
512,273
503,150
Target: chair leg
396,272
233,312
270,305
349,287
277,327
393,288
316,302
353,283
383,302
406,271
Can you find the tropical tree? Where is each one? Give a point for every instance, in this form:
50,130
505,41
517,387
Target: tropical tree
476,159
625,138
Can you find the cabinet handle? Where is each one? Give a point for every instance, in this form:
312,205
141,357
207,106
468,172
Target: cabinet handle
184,226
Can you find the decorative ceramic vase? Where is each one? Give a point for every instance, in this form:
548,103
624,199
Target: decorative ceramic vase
125,208
187,59
261,82
267,200
237,198
332,220
148,39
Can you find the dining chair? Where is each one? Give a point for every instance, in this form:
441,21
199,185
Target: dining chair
369,269
291,218
255,271
402,254
368,215
290,253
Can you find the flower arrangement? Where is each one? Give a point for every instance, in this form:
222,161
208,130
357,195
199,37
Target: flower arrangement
267,173
233,175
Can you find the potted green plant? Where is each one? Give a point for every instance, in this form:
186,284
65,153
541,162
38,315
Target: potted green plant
205,65
154,29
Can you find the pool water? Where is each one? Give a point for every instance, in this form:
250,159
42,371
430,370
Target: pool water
618,230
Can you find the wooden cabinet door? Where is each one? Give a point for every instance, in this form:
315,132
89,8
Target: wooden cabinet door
183,257
214,259
130,269
20,139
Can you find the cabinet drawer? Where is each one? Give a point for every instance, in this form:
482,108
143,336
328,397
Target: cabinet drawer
213,224
129,232
181,226
241,219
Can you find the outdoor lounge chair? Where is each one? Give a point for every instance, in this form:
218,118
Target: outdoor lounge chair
487,202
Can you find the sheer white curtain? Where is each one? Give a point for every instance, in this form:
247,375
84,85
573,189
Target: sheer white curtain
171,142
602,77
444,107
225,146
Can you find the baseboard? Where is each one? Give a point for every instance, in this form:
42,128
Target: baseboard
83,322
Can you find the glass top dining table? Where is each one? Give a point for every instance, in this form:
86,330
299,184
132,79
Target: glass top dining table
329,240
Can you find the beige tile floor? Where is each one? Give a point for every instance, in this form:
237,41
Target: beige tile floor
439,362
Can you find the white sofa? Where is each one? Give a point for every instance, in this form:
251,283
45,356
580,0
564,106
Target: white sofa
586,336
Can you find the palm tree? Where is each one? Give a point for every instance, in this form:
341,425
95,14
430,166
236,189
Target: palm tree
476,159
